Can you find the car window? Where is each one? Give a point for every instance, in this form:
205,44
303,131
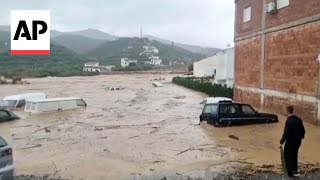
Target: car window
210,109
21,103
248,110
3,113
80,102
3,142
228,109
8,103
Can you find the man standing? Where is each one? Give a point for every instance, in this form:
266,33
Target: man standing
293,134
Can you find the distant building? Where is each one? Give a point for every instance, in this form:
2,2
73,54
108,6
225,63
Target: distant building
125,62
92,67
220,67
225,70
206,67
149,50
95,67
155,60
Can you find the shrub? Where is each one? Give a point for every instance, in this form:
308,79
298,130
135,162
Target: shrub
205,87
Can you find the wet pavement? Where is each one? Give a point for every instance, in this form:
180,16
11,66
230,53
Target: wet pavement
140,132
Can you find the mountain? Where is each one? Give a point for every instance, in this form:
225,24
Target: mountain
113,51
4,41
4,28
94,34
77,43
195,49
61,62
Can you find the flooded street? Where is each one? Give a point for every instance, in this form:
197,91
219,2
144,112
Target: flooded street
135,132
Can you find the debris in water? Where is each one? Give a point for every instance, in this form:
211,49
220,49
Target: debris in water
233,137
38,145
47,130
98,129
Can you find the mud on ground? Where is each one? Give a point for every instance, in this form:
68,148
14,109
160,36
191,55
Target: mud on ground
137,132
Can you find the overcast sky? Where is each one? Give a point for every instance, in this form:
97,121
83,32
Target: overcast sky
198,22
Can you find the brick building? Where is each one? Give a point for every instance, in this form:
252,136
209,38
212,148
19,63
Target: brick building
277,43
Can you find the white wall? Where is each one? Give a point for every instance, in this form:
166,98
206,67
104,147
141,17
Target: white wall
205,67
225,71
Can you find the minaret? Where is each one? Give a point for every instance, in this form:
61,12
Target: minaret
141,32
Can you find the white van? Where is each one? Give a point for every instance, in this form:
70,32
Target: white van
19,101
54,104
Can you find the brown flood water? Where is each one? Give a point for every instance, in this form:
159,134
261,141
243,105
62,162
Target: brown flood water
139,130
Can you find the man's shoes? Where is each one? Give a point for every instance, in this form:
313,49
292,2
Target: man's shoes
296,174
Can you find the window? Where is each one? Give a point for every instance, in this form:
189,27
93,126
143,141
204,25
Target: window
229,109
3,142
247,14
210,109
3,113
248,110
80,102
282,3
21,103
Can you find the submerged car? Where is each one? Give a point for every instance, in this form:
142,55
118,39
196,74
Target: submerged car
6,161
54,104
6,115
225,113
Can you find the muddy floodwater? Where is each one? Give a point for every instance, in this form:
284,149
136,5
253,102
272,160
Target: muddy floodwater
136,132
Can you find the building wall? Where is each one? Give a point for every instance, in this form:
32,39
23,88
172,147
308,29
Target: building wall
205,67
276,58
247,62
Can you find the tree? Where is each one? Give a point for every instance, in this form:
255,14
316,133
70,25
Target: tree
190,68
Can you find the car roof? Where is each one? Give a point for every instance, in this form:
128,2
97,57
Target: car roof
54,99
213,100
21,96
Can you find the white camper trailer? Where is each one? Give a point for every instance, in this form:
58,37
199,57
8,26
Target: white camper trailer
54,104
19,100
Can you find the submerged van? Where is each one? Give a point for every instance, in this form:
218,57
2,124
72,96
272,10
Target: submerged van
19,100
54,104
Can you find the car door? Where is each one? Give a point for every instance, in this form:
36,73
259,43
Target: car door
228,113
248,114
209,112
4,116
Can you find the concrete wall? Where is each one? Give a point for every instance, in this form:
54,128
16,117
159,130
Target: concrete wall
225,71
275,57
205,67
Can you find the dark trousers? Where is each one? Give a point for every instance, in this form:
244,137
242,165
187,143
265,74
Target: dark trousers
291,150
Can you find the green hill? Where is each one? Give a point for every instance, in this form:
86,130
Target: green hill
61,62
77,43
112,51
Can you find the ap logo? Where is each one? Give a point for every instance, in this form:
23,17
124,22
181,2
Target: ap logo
30,32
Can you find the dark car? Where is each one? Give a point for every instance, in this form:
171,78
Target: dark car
7,116
226,113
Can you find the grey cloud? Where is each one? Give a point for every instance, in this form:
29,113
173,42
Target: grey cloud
200,22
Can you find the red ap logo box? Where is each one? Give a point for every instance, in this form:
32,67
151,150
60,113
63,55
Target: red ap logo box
30,32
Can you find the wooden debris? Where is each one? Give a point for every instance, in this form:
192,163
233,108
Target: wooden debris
184,151
233,137
38,145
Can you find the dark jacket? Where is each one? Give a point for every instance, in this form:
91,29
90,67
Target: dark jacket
294,130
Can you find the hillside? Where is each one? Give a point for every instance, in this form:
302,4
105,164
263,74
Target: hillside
94,34
61,62
77,43
113,51
195,49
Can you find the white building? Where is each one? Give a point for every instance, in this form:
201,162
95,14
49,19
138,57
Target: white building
225,71
125,62
221,66
92,67
95,67
155,60
149,50
206,67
